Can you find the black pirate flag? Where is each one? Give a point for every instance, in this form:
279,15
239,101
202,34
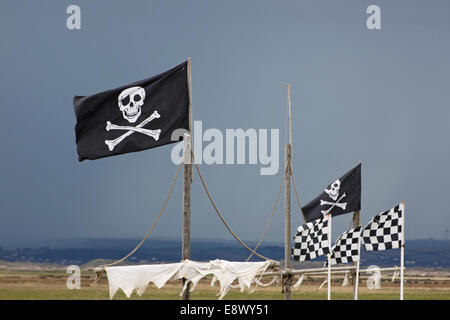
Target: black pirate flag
134,117
342,196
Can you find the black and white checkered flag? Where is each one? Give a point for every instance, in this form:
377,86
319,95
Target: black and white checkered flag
311,240
346,248
384,231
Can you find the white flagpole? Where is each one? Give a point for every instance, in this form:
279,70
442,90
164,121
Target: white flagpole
357,268
356,219
329,256
402,250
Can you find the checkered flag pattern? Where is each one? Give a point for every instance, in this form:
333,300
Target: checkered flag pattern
346,248
384,231
311,240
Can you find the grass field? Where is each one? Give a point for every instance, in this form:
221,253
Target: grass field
43,285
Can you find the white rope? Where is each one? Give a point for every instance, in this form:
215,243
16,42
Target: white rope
396,274
271,282
299,281
323,283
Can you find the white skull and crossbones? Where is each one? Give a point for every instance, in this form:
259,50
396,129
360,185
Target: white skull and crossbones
130,103
333,193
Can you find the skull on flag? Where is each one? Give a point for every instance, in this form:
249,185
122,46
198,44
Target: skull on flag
130,102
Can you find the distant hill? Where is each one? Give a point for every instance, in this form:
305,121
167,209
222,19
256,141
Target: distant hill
418,253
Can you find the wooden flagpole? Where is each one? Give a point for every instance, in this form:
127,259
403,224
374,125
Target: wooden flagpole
329,256
402,250
187,171
290,113
287,214
191,121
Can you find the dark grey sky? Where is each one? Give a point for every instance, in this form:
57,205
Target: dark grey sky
377,97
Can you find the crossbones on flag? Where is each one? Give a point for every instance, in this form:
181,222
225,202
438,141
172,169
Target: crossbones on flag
384,231
341,196
311,240
133,117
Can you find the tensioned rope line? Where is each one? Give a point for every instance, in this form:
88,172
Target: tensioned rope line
153,225
220,215
270,219
296,193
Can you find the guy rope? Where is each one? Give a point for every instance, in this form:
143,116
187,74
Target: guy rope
102,267
220,215
252,252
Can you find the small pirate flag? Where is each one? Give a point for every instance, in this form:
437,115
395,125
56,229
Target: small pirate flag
342,196
134,117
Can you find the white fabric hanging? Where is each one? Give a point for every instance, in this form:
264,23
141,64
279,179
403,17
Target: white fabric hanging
245,272
130,278
193,272
345,282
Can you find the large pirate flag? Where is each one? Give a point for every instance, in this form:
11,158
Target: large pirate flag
342,196
134,117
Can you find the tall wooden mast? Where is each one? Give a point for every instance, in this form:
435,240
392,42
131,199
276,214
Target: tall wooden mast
287,205
187,170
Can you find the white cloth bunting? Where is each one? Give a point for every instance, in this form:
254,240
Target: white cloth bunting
130,278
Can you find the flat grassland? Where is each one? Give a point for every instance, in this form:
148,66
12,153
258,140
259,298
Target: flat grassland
51,285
